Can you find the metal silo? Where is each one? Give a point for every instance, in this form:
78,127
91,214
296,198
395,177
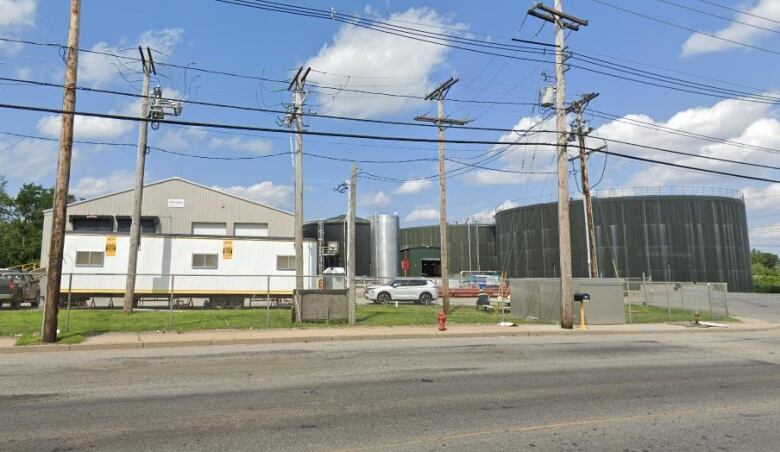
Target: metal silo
665,234
384,246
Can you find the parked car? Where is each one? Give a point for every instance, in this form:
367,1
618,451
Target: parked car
418,290
18,288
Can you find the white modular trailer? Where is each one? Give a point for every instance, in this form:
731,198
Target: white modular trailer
95,264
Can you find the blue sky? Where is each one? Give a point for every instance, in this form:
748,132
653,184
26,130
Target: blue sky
247,41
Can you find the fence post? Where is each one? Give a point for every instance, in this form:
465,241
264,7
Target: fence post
668,301
682,298
70,291
268,301
644,288
627,292
726,299
170,304
709,298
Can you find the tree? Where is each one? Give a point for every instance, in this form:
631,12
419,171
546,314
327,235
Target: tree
767,260
21,222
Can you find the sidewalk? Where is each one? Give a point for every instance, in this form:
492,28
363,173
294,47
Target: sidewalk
111,341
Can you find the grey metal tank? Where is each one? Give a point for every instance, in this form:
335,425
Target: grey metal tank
677,237
384,246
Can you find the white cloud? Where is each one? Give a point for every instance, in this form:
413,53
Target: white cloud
360,52
96,69
765,198
253,145
181,139
14,16
266,192
488,215
414,186
28,160
17,13
378,199
85,127
89,187
423,214
762,236
699,43
526,163
743,122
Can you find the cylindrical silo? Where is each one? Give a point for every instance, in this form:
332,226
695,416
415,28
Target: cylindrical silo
663,237
384,246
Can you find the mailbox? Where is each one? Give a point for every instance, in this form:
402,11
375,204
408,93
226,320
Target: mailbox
581,297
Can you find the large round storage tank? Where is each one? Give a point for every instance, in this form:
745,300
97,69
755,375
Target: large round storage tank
471,246
384,246
335,230
665,237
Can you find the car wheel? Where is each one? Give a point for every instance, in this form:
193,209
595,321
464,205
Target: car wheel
383,297
426,298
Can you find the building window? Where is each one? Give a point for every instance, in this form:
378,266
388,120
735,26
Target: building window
89,259
285,262
148,225
219,229
93,224
204,261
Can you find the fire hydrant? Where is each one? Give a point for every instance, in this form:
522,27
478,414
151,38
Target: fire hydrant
442,321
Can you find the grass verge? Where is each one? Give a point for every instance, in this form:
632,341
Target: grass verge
655,314
79,324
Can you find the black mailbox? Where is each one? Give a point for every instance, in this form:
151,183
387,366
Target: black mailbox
581,297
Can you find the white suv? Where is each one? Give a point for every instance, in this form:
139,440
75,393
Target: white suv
418,290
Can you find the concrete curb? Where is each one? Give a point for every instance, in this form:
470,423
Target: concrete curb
509,332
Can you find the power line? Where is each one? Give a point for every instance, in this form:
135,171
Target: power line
710,2
694,168
689,29
707,13
349,135
492,129
680,132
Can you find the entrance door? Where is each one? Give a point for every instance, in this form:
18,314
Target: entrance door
431,268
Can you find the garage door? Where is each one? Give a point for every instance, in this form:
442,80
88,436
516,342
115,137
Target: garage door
209,229
252,229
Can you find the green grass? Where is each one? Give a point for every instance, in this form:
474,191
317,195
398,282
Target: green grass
80,324
89,322
656,314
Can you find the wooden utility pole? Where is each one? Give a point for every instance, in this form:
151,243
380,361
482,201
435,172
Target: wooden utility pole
138,190
442,122
351,243
59,213
590,231
561,21
296,85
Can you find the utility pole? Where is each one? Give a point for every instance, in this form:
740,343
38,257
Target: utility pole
153,108
590,231
54,273
296,85
138,189
351,243
561,20
442,121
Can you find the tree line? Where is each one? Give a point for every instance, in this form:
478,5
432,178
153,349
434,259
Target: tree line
21,223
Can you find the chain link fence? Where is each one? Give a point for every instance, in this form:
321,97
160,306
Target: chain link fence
675,300
93,302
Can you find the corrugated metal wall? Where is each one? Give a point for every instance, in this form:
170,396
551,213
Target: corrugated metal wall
335,232
678,238
480,239
200,204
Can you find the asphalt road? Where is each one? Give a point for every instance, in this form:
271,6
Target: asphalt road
765,306
642,392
